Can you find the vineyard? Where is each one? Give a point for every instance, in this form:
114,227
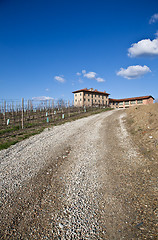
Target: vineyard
21,119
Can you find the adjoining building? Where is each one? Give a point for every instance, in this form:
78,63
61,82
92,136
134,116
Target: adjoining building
128,102
90,97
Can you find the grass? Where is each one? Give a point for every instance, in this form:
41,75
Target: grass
7,144
31,129
9,130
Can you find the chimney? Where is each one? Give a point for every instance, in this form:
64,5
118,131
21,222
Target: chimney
91,89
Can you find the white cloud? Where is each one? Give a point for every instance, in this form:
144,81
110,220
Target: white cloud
78,74
145,47
100,79
133,72
156,34
80,80
59,79
154,18
90,75
47,89
42,98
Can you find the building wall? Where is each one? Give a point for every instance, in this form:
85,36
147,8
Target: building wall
127,104
148,101
78,99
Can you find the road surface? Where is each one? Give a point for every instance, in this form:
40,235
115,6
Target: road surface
74,181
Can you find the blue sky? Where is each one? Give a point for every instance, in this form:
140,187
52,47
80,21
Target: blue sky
51,48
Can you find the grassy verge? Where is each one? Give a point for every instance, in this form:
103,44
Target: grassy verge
13,135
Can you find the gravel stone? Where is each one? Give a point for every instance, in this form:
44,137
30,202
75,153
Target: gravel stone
75,181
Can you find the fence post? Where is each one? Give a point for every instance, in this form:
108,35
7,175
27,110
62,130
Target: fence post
52,108
52,104
16,108
4,112
46,105
28,108
31,105
22,114
68,108
12,109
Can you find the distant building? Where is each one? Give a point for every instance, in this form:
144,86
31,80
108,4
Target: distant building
128,102
90,97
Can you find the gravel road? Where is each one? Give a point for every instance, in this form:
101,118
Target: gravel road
73,181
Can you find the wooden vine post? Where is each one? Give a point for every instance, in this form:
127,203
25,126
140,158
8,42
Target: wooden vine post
22,114
68,108
4,112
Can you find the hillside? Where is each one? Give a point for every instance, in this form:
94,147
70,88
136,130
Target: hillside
143,124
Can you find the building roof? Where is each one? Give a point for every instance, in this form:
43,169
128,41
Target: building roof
91,91
129,99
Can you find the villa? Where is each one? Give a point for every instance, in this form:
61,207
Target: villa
90,97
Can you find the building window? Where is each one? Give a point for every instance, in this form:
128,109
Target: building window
120,103
99,101
133,102
102,97
95,100
80,94
88,94
84,99
88,100
80,99
76,100
92,95
139,101
127,103
95,95
76,95
102,101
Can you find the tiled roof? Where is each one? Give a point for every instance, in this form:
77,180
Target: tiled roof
90,91
129,99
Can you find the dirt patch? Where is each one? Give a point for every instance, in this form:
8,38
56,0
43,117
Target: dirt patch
142,122
128,184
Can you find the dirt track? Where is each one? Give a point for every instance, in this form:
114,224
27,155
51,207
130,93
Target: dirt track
88,188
